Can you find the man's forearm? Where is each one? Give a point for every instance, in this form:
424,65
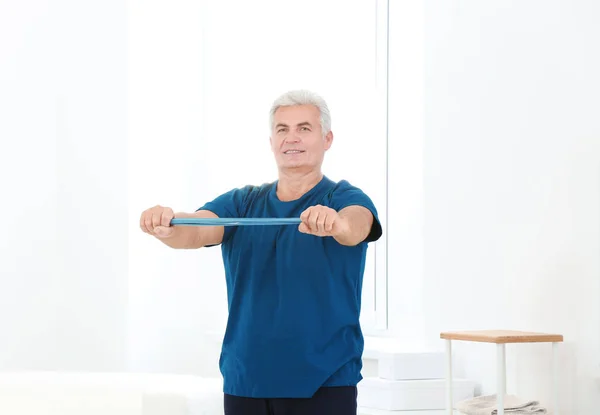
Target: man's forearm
193,237
183,237
358,221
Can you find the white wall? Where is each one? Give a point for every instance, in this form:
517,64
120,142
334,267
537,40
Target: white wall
29,188
91,172
512,187
63,268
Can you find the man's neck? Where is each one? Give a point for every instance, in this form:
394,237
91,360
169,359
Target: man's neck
292,186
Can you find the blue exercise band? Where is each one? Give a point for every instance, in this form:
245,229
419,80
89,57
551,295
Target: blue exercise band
234,221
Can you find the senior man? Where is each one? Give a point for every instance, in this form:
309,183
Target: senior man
293,342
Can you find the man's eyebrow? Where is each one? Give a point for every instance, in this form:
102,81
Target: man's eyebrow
302,124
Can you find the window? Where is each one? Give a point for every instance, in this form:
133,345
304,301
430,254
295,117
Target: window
201,82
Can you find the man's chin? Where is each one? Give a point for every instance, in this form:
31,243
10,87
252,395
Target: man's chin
294,167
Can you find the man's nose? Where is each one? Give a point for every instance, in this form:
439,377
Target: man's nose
292,138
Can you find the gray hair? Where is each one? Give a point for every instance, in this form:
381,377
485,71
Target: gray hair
303,97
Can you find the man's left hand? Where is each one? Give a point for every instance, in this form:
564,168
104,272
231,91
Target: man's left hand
322,221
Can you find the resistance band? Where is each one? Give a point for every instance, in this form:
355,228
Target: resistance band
234,221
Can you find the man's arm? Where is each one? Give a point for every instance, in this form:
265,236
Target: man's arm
359,221
156,222
194,237
350,226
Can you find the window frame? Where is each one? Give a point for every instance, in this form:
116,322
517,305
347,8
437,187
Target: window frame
374,314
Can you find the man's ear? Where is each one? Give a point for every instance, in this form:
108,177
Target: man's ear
328,140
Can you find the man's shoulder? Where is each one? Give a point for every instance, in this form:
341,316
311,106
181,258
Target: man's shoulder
343,193
249,192
342,186
254,188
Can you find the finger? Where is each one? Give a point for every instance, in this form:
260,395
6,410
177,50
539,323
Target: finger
321,221
148,223
329,222
163,231
156,219
304,216
303,228
165,219
143,222
312,220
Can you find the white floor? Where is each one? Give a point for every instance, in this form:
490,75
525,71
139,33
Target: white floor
368,411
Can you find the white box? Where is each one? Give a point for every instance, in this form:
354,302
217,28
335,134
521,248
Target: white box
411,366
407,395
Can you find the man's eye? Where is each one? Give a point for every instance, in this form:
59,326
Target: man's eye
281,130
305,129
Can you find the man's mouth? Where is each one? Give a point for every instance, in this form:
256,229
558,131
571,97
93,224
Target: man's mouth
293,151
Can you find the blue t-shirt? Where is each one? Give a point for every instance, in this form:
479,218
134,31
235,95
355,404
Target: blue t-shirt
294,299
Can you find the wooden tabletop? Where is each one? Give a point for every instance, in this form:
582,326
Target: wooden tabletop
502,336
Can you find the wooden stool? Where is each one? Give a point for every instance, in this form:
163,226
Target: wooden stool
500,338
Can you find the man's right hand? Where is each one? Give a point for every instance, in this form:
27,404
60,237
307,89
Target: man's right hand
156,221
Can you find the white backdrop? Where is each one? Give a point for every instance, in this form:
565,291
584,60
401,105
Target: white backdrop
63,252
202,77
512,188
498,193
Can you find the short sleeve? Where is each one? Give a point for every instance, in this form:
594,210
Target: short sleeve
346,195
228,205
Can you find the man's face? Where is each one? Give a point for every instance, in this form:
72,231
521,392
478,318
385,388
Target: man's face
297,140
